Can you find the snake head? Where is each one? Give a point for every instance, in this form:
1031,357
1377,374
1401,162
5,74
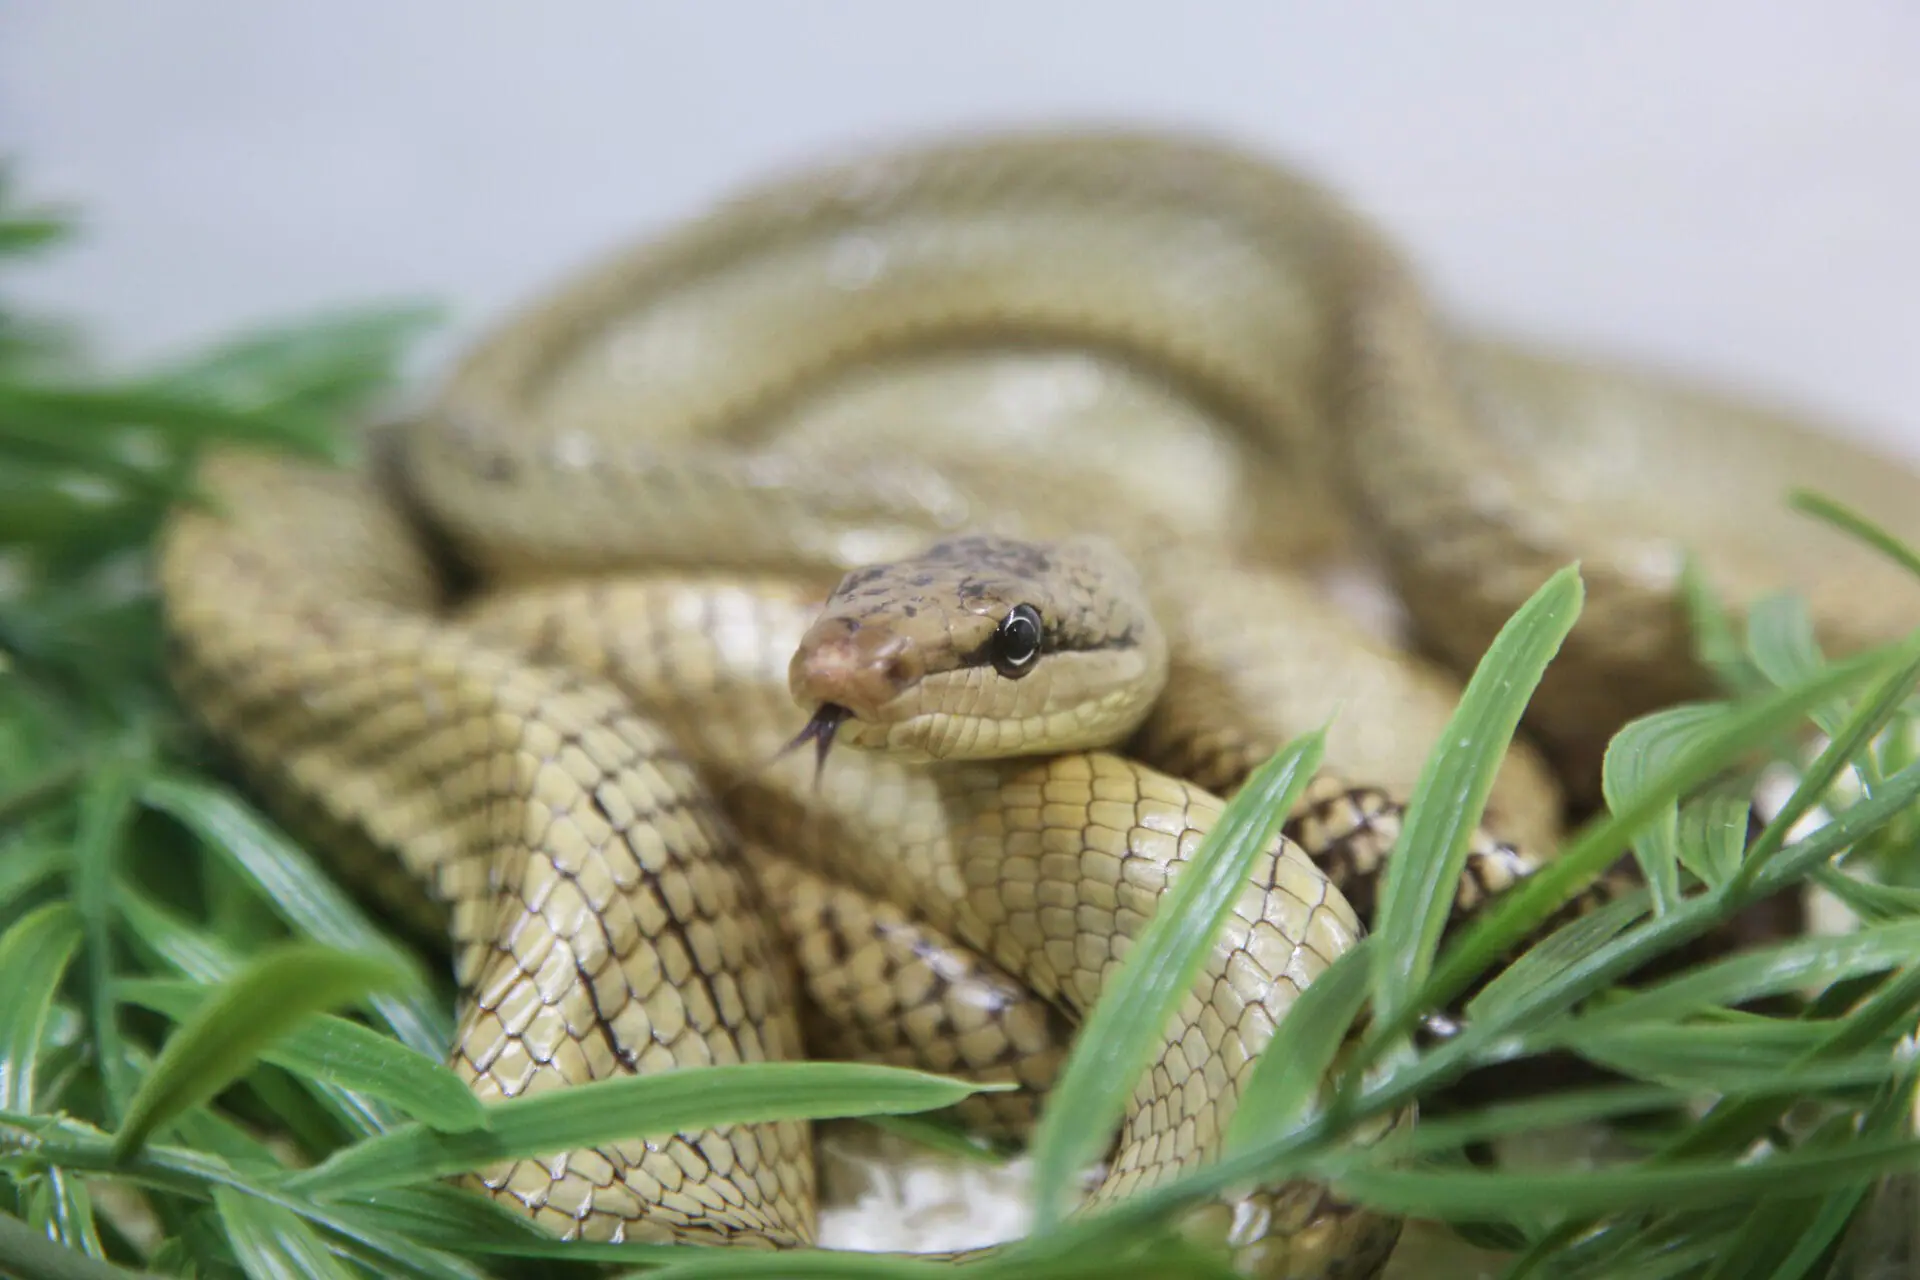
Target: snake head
982,647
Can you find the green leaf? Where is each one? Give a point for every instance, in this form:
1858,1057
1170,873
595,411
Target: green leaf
195,1174
1776,1224
629,1108
81,408
1715,642
1286,1080
1422,877
1872,902
26,867
1641,753
1851,735
812,1264
440,1215
1157,1260
332,364
52,786
1713,835
1765,971
1449,1133
1159,970
1684,1255
1733,1124
34,954
106,811
272,1243
1780,638
1459,1194
203,957
1117,1258
27,1253
1521,909
941,1135
274,994
1721,1060
70,1217
303,895
1554,955
1804,1248
25,235
1852,522
165,937
342,1053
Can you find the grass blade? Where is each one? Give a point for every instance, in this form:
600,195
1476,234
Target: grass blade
1812,1241
50,787
70,1217
1417,895
87,409
342,1053
814,1264
195,1172
203,957
1656,1053
1286,1079
272,1243
106,811
948,1138
1848,521
34,955
1554,955
629,1108
1871,902
303,895
1587,1106
163,936
1523,907
1715,642
1713,835
1158,972
274,994
1765,971
26,1252
1640,754
1456,1193
1851,736
26,867
1780,639
440,1215
25,234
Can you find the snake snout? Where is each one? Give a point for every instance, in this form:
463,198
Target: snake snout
859,668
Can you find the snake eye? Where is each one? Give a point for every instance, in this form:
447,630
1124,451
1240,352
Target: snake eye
1017,641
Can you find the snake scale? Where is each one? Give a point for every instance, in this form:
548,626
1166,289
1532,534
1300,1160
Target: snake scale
1071,432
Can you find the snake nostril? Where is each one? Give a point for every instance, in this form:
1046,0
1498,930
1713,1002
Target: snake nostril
897,664
859,669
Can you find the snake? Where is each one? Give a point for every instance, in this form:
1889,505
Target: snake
1017,473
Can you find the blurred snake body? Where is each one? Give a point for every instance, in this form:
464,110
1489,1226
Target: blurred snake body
1122,396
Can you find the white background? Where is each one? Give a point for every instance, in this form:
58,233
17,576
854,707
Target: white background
1729,186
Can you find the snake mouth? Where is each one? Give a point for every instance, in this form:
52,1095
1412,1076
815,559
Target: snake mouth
820,730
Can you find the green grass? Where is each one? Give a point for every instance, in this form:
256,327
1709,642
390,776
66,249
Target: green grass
214,1063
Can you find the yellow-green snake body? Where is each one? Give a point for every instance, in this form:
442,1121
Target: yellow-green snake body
540,653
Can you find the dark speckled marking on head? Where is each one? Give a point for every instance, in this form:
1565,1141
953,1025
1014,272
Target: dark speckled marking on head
981,578
982,644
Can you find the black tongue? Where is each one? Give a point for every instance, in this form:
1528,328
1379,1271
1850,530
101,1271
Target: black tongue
820,730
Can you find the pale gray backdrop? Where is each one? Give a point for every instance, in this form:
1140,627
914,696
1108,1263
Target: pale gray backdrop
1731,186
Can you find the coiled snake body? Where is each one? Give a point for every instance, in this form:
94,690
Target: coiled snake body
1118,396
